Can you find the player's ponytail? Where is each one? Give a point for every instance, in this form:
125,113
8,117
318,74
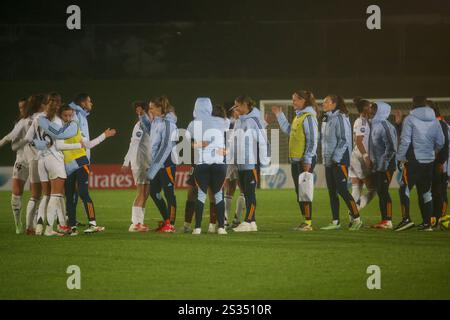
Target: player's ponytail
340,103
53,105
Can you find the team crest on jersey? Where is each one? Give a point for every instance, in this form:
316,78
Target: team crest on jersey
363,130
139,134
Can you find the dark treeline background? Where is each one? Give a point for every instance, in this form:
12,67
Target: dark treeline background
136,50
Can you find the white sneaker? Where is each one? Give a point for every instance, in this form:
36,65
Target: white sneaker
49,232
39,229
253,226
221,231
212,228
243,227
197,231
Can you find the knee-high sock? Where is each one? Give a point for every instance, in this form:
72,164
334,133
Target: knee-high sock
356,192
142,216
212,213
54,210
16,206
31,209
240,206
228,200
42,210
135,215
366,198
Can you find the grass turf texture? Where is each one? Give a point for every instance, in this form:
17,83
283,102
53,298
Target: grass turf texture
274,263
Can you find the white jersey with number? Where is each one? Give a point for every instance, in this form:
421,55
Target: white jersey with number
138,155
16,135
35,132
361,128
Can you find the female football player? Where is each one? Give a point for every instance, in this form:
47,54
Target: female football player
336,146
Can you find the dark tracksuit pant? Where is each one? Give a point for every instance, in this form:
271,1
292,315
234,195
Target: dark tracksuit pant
165,180
296,170
439,190
336,177
249,181
382,181
210,176
418,174
77,184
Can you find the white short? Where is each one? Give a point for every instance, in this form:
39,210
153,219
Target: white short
140,176
232,172
51,168
21,171
358,168
34,171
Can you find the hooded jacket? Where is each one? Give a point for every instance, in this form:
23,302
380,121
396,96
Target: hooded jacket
382,138
336,139
421,136
163,138
310,128
207,128
250,143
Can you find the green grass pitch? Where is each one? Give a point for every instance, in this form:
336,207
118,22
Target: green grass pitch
274,263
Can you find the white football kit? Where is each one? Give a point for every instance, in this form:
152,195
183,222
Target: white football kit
50,161
138,155
358,168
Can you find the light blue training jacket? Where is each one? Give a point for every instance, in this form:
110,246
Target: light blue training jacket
382,139
310,128
81,117
250,130
421,131
207,128
336,139
163,138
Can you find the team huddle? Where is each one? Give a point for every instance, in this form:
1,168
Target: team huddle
228,148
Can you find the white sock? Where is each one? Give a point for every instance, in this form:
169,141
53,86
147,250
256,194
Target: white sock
31,206
64,209
240,206
365,199
54,210
36,209
16,206
356,219
228,200
336,222
142,215
356,192
135,215
42,210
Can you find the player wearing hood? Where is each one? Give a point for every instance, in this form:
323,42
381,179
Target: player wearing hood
161,173
208,138
382,148
303,138
250,150
421,138
336,148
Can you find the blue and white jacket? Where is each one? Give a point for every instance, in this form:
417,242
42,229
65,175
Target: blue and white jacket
81,117
250,131
421,136
336,139
163,133
382,139
310,128
207,128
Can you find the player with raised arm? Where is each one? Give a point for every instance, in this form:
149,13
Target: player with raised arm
138,159
303,140
20,170
77,168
